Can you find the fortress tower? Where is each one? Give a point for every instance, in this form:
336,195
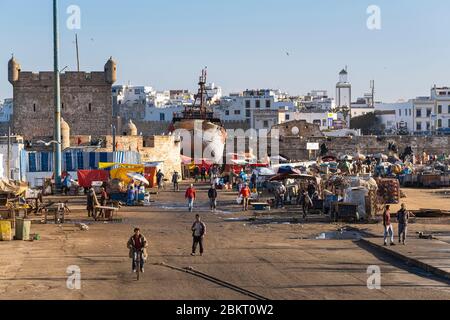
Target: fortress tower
86,101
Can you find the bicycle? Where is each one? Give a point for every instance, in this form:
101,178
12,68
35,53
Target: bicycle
137,263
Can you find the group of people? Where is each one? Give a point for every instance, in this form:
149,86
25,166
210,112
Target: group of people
191,195
135,192
202,173
138,244
403,216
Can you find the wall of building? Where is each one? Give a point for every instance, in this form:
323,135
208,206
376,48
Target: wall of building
165,149
295,147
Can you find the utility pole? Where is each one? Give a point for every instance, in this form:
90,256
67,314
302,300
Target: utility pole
114,137
78,52
57,98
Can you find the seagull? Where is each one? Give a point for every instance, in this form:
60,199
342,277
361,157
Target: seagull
288,54
47,144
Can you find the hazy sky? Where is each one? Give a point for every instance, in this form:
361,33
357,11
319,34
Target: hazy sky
243,42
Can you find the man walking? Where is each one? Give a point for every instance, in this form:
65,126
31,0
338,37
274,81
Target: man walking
92,202
203,172
280,192
245,193
67,182
160,179
403,220
388,229
190,196
198,234
212,195
175,181
306,203
196,173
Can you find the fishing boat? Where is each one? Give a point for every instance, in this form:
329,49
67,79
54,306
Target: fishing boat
204,128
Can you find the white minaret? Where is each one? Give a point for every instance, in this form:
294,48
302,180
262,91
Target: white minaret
343,90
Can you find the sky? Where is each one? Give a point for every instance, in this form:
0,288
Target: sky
293,45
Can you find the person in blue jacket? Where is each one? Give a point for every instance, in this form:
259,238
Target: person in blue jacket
130,196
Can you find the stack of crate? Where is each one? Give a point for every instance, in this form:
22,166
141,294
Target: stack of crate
389,190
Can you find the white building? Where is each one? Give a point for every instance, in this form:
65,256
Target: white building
214,93
179,97
241,107
362,106
401,118
17,145
317,100
440,117
164,113
343,91
127,94
324,119
6,110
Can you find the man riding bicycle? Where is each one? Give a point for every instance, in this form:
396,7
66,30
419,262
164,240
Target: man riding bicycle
138,246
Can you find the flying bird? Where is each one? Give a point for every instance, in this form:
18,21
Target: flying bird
47,144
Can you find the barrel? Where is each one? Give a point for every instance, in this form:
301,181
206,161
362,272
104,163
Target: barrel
23,228
5,230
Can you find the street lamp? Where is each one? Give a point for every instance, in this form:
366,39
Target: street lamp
57,98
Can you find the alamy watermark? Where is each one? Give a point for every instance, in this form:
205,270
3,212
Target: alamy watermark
73,281
374,19
73,22
374,279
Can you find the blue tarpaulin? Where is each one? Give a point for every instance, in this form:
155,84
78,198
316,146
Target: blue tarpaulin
76,160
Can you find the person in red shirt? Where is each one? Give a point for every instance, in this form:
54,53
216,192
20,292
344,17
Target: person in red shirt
388,229
190,195
245,193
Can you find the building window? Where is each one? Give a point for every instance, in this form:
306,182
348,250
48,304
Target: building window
400,112
34,107
448,124
419,113
428,126
448,109
247,113
266,124
258,104
439,123
62,105
237,112
439,109
268,104
287,117
162,117
90,107
324,123
429,113
247,104
227,113
419,126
